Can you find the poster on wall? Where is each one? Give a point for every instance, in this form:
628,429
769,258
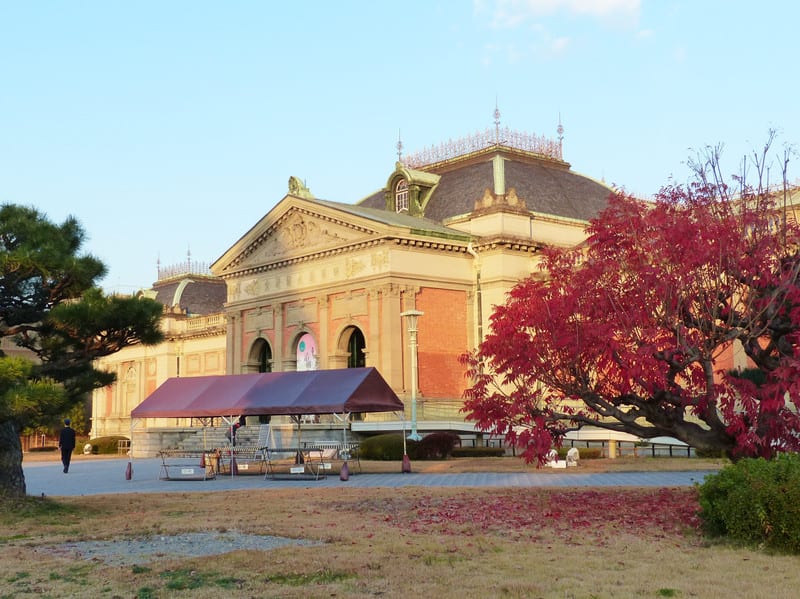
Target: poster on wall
306,353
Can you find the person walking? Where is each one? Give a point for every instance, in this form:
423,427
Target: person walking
230,434
66,443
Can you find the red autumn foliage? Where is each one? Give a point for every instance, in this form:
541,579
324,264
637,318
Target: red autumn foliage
573,514
626,332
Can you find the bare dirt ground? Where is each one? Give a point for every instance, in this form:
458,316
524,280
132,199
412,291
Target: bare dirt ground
390,543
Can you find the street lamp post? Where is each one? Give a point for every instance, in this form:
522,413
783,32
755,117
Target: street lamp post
412,316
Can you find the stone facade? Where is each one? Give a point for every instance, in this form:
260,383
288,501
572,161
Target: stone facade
194,345
337,276
322,284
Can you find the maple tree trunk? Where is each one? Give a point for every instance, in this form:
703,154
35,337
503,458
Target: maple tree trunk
12,479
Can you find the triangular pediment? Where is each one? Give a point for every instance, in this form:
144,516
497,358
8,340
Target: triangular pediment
293,229
303,232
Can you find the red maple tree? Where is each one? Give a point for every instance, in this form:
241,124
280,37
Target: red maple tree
627,332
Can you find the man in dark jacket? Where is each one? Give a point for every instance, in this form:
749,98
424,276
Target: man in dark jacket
66,443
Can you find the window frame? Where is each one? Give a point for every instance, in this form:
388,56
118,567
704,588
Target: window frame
401,196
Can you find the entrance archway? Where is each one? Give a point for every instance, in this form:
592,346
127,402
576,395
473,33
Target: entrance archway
260,356
355,348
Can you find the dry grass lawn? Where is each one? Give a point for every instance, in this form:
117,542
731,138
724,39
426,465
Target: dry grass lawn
390,543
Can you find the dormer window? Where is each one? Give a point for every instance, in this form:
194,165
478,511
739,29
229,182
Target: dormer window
401,196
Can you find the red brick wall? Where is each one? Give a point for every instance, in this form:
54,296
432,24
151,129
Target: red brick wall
441,339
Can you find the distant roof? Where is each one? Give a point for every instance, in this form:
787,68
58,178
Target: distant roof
193,294
336,391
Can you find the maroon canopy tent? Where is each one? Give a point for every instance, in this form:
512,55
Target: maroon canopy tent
341,391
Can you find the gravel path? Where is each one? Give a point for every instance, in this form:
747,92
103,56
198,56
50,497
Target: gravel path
143,550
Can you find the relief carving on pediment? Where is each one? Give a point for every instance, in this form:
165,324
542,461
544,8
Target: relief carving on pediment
301,231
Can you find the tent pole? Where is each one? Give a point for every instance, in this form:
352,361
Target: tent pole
129,467
298,458
228,420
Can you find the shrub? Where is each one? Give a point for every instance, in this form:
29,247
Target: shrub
709,453
755,502
104,445
386,447
478,452
584,453
438,445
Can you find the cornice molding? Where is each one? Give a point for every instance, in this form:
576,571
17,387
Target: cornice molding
349,249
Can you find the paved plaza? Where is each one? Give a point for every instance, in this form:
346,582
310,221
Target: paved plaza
107,476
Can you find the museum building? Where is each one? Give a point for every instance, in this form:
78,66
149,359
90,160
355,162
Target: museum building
320,284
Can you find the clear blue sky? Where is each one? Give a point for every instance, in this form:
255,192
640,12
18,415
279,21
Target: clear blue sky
169,126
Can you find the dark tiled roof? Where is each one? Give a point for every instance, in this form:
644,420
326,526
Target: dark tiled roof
395,219
556,191
201,295
546,187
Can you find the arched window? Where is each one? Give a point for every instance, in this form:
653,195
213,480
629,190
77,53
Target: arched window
401,196
355,348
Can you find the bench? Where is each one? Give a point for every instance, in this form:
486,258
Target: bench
182,464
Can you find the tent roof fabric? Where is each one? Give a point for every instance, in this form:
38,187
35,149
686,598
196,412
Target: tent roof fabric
338,391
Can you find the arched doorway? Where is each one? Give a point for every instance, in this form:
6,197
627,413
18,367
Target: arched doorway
260,357
356,358
353,345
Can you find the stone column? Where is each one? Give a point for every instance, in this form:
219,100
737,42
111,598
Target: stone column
390,337
612,449
325,347
375,355
231,342
280,351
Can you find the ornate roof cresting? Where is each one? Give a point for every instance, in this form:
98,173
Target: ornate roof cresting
481,140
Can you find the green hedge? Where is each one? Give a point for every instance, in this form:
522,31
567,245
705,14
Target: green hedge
584,453
385,447
710,453
103,445
433,446
755,502
478,452
437,445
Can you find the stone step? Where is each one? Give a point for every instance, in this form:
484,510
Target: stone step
216,437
